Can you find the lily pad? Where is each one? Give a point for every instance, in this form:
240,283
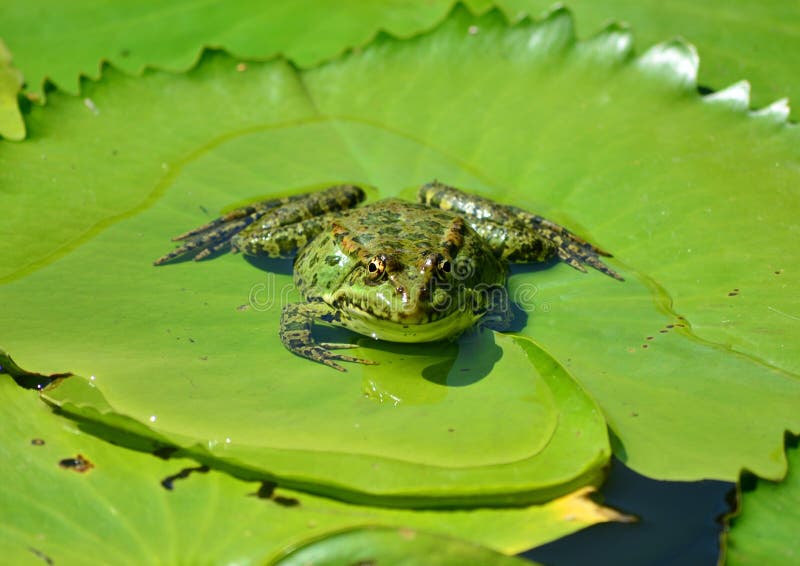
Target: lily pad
765,530
622,150
306,31
11,124
369,546
432,444
68,497
739,40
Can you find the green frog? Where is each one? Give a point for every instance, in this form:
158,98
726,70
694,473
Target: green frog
392,270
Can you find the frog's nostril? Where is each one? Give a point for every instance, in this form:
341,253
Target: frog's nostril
440,299
401,292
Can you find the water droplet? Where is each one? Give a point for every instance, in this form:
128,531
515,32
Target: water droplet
89,103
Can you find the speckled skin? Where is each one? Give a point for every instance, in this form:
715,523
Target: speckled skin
393,270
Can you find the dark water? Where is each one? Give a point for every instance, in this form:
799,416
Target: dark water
679,523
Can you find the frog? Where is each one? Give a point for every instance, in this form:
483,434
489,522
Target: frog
391,270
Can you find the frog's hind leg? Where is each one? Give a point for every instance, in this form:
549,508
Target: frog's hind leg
516,234
295,333
263,216
280,241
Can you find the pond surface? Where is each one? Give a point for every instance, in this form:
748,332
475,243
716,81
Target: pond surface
679,523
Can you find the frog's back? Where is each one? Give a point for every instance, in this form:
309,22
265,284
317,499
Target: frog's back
394,225
408,232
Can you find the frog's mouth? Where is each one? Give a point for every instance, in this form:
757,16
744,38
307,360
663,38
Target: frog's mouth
400,321
447,326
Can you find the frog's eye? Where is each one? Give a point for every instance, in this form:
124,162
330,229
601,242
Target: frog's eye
444,265
376,267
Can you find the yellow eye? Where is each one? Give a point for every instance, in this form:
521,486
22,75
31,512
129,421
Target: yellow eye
376,267
444,265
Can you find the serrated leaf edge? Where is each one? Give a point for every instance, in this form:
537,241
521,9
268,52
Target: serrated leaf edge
676,58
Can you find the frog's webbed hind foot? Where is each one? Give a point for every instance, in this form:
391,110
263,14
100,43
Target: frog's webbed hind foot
516,234
272,214
322,354
573,250
296,322
212,237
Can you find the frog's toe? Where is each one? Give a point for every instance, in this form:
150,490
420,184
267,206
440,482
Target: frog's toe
197,249
322,353
338,345
210,238
576,257
571,260
343,357
595,262
214,249
331,364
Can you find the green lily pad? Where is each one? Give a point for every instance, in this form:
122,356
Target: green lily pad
620,149
67,496
765,530
11,124
306,31
372,546
432,442
738,40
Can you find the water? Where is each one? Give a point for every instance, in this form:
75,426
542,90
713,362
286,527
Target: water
679,523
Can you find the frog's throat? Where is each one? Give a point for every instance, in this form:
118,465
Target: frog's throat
443,328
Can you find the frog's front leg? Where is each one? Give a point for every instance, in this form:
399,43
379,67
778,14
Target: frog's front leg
296,322
251,228
516,234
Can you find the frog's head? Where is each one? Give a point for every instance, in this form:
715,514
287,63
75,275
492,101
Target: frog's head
400,287
417,294
401,272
